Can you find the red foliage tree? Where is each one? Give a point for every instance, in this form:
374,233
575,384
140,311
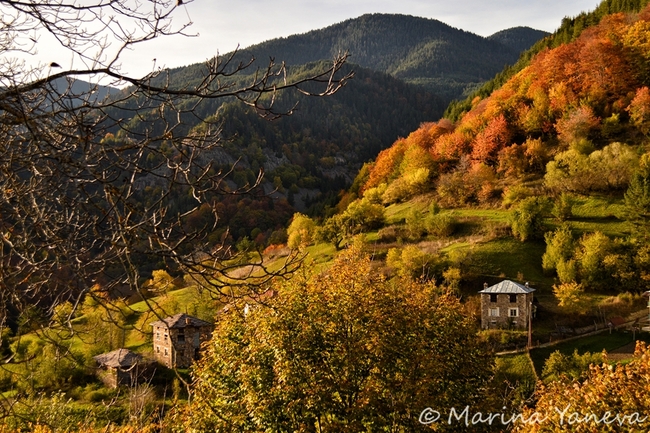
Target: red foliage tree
494,137
639,110
577,125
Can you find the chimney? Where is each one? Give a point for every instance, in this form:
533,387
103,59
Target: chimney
188,321
527,286
485,286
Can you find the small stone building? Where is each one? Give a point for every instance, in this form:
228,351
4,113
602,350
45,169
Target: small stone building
506,305
122,367
177,339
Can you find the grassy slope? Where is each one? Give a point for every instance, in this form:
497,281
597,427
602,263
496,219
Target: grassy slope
594,344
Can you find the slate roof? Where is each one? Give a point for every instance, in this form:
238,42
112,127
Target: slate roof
508,287
181,320
122,358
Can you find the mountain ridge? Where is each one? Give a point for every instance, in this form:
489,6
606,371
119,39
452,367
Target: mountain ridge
421,51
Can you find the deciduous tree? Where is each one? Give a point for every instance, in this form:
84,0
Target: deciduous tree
559,247
301,231
571,297
341,351
637,198
620,391
77,204
527,219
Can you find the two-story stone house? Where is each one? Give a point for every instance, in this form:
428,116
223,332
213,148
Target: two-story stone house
177,339
506,305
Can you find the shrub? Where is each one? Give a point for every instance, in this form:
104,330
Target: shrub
441,225
527,220
573,366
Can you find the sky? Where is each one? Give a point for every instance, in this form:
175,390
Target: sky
220,26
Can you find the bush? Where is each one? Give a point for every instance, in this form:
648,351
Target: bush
415,223
502,339
411,262
572,366
99,395
392,234
527,220
441,225
514,194
563,207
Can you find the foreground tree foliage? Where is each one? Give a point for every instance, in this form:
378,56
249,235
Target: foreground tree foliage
621,392
344,350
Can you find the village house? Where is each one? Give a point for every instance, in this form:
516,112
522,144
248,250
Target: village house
122,367
506,305
177,339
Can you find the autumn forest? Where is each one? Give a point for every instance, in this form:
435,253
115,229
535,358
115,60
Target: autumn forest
325,246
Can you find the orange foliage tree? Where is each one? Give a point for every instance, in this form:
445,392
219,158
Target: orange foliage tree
490,140
386,164
610,399
639,110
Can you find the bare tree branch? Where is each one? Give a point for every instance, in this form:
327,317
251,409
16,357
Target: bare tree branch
93,189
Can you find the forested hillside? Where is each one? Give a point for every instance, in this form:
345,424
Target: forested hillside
569,30
571,125
577,99
308,157
427,52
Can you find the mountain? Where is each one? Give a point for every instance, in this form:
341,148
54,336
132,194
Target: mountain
406,68
518,38
315,153
573,120
569,30
74,89
421,51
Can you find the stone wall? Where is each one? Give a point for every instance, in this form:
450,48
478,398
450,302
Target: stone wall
503,304
178,347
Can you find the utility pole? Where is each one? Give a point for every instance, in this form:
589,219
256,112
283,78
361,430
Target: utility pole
530,325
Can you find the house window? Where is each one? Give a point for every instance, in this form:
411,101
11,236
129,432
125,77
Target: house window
493,297
513,312
493,312
157,335
513,299
158,349
165,351
181,338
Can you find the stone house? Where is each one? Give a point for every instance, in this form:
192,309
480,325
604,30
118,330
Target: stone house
122,367
177,339
506,305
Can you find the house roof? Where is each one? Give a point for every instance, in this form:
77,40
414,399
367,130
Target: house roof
181,320
508,287
617,321
122,358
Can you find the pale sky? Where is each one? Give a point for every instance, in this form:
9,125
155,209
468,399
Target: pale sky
223,25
